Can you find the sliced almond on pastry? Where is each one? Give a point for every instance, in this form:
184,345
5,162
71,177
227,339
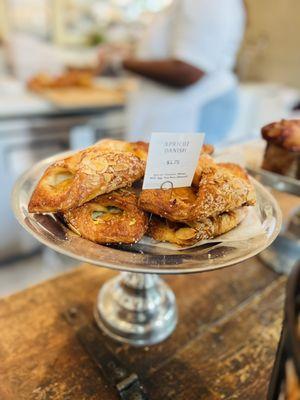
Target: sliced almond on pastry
66,184
222,188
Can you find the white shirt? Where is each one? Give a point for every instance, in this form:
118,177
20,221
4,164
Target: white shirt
203,33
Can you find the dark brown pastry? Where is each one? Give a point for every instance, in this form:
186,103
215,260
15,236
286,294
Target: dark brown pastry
282,154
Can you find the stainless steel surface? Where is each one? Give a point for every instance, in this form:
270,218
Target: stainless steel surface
138,309
276,181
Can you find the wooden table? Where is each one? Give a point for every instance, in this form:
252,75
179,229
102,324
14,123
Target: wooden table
223,348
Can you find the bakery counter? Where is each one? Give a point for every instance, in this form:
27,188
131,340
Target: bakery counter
17,103
32,128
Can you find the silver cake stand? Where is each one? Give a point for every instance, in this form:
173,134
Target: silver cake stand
137,307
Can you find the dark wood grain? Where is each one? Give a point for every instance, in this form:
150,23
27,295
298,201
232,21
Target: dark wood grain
223,347
232,359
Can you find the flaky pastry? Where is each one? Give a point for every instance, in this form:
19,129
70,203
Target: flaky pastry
173,204
223,187
139,149
189,234
78,179
110,218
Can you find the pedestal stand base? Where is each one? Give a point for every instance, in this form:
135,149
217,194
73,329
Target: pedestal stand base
138,309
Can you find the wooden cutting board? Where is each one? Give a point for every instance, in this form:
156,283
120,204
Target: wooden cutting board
85,97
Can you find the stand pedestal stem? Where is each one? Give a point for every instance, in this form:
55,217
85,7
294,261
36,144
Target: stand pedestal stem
139,309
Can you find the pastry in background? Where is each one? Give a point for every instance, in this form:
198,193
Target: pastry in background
282,154
176,204
110,218
78,179
70,79
140,149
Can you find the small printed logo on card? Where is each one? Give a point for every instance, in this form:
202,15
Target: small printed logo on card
172,159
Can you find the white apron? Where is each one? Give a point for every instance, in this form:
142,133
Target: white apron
203,33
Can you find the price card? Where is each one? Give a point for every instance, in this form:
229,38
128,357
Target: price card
172,159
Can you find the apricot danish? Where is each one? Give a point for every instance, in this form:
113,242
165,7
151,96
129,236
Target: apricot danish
110,218
78,179
190,233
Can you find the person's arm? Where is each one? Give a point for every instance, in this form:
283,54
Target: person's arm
171,72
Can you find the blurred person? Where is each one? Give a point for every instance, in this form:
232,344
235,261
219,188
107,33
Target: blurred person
184,62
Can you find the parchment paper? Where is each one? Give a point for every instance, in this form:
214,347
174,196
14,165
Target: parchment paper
250,227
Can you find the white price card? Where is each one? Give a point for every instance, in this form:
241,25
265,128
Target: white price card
172,159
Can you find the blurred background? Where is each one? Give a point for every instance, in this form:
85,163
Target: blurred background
44,39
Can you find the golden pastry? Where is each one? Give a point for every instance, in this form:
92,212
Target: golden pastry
80,178
177,233
173,204
207,149
110,218
190,233
204,162
139,149
223,187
